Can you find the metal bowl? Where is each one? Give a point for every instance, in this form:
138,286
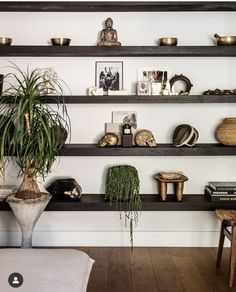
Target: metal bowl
60,41
5,41
168,41
225,40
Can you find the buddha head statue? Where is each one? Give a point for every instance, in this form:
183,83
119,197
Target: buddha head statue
109,23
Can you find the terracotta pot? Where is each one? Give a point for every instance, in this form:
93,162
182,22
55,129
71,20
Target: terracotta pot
226,132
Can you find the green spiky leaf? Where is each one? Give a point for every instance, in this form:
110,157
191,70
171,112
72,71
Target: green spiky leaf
33,142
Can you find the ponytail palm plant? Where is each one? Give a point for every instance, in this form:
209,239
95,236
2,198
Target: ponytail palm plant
33,142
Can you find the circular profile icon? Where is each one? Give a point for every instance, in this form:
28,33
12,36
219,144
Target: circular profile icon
15,280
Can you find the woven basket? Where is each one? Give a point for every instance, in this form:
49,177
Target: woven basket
226,132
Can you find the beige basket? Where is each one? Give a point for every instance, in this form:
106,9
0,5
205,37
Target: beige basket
226,132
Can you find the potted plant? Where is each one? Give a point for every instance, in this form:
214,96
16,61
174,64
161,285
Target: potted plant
32,143
122,187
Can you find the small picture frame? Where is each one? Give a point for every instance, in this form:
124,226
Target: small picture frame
109,75
143,88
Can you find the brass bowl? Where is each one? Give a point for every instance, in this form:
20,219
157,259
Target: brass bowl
60,41
168,41
225,40
5,41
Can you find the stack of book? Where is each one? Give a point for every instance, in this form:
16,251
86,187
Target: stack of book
221,191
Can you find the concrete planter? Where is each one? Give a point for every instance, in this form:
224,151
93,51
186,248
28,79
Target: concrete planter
27,213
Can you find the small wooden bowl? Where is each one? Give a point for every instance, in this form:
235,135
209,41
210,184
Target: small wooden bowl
5,41
168,41
60,41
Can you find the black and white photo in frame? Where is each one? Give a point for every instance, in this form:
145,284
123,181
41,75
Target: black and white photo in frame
109,75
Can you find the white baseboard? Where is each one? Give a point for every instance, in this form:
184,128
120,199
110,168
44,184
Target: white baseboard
106,229
113,238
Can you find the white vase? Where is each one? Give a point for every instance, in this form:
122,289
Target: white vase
27,213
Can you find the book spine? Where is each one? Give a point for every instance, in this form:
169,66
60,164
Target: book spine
223,193
210,192
225,189
218,199
222,189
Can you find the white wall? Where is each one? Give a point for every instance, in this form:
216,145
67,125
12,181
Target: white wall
154,228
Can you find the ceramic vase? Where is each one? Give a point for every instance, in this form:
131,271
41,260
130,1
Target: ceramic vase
27,213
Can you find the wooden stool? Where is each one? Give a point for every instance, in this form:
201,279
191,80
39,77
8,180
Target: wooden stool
179,186
228,219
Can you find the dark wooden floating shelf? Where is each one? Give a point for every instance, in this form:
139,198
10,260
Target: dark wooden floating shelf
111,6
73,99
95,202
160,150
123,51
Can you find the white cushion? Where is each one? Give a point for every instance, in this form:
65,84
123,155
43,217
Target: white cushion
46,270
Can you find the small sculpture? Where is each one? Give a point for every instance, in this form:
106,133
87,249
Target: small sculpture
96,91
218,91
65,186
186,80
185,134
110,139
109,35
50,77
145,138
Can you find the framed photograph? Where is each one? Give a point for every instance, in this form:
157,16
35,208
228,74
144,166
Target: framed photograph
125,116
151,76
143,88
148,74
109,75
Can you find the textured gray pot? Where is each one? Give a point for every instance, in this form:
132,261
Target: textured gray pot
27,213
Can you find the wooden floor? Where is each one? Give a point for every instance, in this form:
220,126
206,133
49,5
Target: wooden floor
157,269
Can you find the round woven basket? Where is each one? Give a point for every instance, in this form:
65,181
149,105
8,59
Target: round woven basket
226,132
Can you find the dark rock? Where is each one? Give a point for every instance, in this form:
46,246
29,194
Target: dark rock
65,187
